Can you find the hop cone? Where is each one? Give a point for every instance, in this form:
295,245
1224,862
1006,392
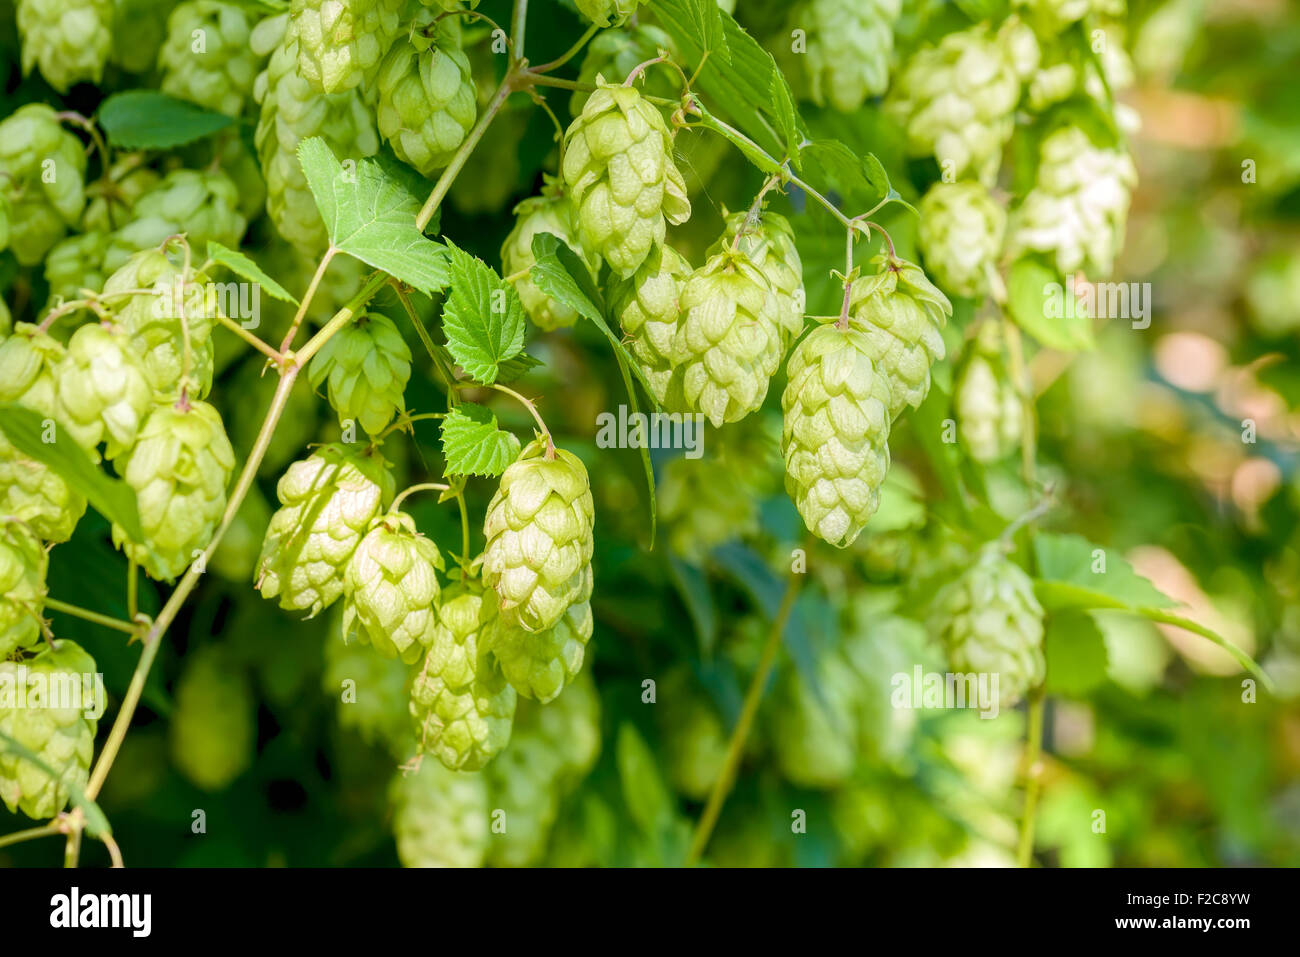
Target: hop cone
1077,207
214,724
426,99
42,206
539,664
1055,15
392,589
23,563
68,40
110,204
987,406
648,308
440,817
850,44
728,342
179,467
461,705
901,314
103,391
206,58
341,42
619,169
373,693
327,503
139,27
960,235
551,212
769,244
570,727
539,538
991,623
695,739
815,731
73,264
616,53
366,366
52,724
202,205
836,434
607,13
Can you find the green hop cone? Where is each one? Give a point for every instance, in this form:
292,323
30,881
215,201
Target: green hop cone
551,212
179,468
53,722
539,537
836,435
112,199
328,501
988,409
104,393
202,205
617,52
392,588
647,305
68,40
990,623
440,817
42,166
607,13
960,235
139,27
901,314
73,264
815,730
540,664
619,170
461,705
366,367
1076,210
850,44
694,736
768,241
206,58
23,564
728,341
372,693
570,728
341,42
214,723
427,98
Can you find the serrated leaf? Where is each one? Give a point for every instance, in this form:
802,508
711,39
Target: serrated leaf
111,497
483,318
786,117
860,180
474,444
370,215
241,265
150,120
512,369
1073,560
1076,654
1037,301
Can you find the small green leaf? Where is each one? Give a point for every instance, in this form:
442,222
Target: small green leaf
473,442
149,120
96,822
1073,560
111,497
1037,301
241,265
644,792
860,180
483,318
512,369
1076,654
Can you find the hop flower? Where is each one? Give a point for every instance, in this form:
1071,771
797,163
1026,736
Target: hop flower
540,664
179,467
618,167
440,817
392,589
213,727
426,98
648,308
769,243
69,40
202,205
616,53
45,200
607,13
991,623
850,44
987,406
815,729
901,313
328,501
23,563
139,27
367,365
373,692
960,235
695,739
728,341
103,390
219,72
462,707
52,720
1077,207
836,434
539,537
551,212
342,41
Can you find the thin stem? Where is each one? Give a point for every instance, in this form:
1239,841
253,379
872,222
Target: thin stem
340,319
441,188
1016,352
889,242
248,337
306,299
87,125
568,54
31,834
422,487
404,421
517,28
72,850
1033,773
132,589
114,851
843,322
531,407
448,379
464,525
76,611
736,746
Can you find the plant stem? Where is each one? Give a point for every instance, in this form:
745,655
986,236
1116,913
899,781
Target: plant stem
76,611
31,834
307,298
248,337
568,54
528,404
1033,774
422,487
72,850
340,319
132,588
441,188
464,525
517,28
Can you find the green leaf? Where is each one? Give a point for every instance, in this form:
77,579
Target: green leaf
756,155
96,822
1073,560
111,497
483,318
702,21
149,120
512,369
860,180
473,442
644,793
1037,301
1076,654
370,215
241,265
698,599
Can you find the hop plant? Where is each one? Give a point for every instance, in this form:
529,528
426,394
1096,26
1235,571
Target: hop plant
73,264
68,40
103,391
551,212
648,307
616,53
23,564
618,168
607,13
112,198
139,27
1076,210
341,42
728,341
768,241
461,705
836,433
540,664
850,45
179,468
213,727
815,729
440,817
328,501
202,205
539,537
206,58
901,314
427,100
44,200
986,403
990,623
695,739
373,693
59,731
1055,15
366,367
960,235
